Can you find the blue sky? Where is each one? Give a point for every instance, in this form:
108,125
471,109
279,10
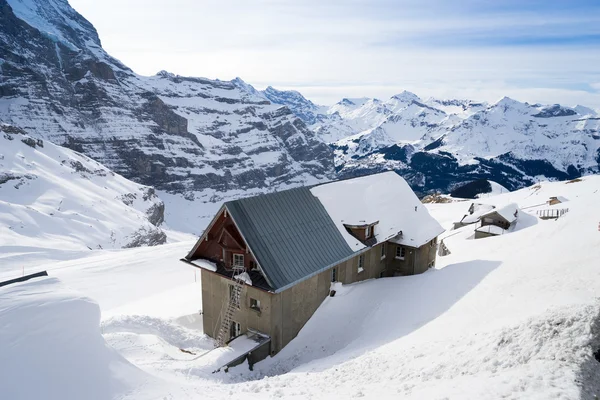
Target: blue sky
537,51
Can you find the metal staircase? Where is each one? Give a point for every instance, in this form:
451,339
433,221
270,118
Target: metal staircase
233,304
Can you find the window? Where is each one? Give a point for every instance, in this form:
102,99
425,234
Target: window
361,263
255,304
432,243
334,275
235,330
238,260
253,266
382,251
400,252
234,295
367,232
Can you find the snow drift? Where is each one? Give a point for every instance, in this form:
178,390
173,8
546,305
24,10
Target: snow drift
51,346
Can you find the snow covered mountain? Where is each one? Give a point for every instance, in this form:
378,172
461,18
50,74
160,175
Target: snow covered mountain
198,138
54,200
207,141
438,144
510,142
303,108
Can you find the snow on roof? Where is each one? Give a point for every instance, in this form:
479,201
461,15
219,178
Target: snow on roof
492,229
209,265
384,197
478,210
559,198
244,276
509,212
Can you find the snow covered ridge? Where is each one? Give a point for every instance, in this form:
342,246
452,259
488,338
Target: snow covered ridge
54,198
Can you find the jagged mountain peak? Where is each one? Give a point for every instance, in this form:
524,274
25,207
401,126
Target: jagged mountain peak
289,95
194,138
406,96
247,88
585,111
507,101
303,108
165,74
271,89
555,110
57,20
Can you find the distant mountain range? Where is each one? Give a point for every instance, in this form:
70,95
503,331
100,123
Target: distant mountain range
201,141
438,144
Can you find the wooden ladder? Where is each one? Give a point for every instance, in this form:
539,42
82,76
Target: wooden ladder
443,249
233,304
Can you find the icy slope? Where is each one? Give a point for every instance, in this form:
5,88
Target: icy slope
54,200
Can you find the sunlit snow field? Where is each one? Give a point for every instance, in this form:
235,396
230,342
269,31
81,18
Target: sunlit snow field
504,317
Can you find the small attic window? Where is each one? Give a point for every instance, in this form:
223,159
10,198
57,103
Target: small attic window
362,231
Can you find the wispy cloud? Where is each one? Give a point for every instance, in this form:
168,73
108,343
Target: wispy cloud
473,47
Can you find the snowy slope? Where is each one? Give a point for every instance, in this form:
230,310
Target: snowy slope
515,316
54,201
52,347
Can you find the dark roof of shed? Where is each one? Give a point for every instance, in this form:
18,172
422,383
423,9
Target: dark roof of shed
290,233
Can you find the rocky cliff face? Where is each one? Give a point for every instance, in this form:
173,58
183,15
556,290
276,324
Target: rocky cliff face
202,139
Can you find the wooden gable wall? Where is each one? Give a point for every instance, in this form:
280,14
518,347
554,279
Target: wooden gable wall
222,241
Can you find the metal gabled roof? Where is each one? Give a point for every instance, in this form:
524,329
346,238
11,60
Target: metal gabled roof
290,233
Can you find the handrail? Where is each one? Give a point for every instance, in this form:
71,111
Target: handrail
24,278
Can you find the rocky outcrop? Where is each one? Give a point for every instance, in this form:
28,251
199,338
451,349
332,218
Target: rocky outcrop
146,237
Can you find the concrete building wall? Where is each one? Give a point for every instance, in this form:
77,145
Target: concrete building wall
283,315
416,260
215,296
292,308
495,219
